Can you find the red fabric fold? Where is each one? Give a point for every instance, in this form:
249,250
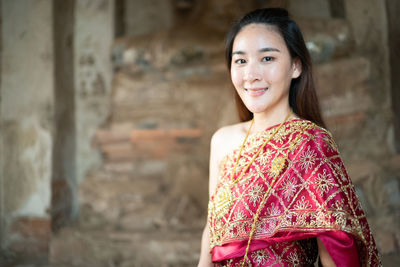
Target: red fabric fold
341,248
238,249
340,245
300,189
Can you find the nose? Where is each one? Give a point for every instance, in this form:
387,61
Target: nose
252,73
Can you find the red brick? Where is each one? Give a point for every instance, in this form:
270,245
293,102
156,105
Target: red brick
186,133
32,227
153,134
118,151
111,136
158,148
159,143
34,234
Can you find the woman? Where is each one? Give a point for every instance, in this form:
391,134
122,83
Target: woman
279,193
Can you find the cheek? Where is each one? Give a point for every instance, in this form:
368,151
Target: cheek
273,73
236,77
277,74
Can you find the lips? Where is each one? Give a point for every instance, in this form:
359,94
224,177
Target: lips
256,91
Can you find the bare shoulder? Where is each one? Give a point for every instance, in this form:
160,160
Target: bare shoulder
228,138
223,141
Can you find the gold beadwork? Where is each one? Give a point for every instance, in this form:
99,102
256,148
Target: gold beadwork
224,200
259,150
294,211
279,164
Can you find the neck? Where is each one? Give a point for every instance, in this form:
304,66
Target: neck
267,119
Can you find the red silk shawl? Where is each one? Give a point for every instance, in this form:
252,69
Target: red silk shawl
312,194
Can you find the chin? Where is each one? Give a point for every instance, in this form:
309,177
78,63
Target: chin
254,109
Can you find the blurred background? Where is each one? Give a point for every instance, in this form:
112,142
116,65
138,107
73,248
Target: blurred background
107,108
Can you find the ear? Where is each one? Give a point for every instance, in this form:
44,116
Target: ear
296,66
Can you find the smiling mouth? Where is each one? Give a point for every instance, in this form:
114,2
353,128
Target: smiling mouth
256,91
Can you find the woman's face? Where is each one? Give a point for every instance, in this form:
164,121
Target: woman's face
262,68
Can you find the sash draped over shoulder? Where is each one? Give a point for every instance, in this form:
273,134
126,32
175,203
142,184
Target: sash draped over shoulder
311,196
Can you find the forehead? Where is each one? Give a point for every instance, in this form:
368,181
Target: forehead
258,36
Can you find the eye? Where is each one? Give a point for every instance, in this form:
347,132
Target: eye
266,59
240,61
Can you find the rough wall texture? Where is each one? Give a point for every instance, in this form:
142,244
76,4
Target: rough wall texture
310,8
171,91
393,8
64,208
26,123
2,212
368,20
369,148
93,72
145,204
151,15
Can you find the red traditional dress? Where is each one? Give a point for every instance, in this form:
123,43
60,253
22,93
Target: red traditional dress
300,189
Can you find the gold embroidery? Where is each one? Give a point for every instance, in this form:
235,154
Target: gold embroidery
277,165
308,159
295,195
223,201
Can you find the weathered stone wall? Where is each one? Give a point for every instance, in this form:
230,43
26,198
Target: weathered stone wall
64,202
368,149
171,91
93,37
350,64
147,192
83,35
26,125
368,20
393,8
49,114
354,88
317,9
145,16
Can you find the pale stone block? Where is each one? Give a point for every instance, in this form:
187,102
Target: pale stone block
342,86
310,8
327,39
145,16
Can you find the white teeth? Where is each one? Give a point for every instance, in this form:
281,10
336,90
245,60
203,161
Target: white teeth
258,90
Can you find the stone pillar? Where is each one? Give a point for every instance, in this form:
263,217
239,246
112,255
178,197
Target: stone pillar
368,20
26,116
64,208
94,34
394,43
83,34
2,211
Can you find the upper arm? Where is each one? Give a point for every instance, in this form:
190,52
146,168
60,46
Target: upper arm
213,173
324,255
223,142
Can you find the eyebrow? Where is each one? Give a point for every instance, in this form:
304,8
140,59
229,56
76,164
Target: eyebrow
266,49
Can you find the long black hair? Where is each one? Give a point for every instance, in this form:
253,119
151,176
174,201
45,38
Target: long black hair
302,96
